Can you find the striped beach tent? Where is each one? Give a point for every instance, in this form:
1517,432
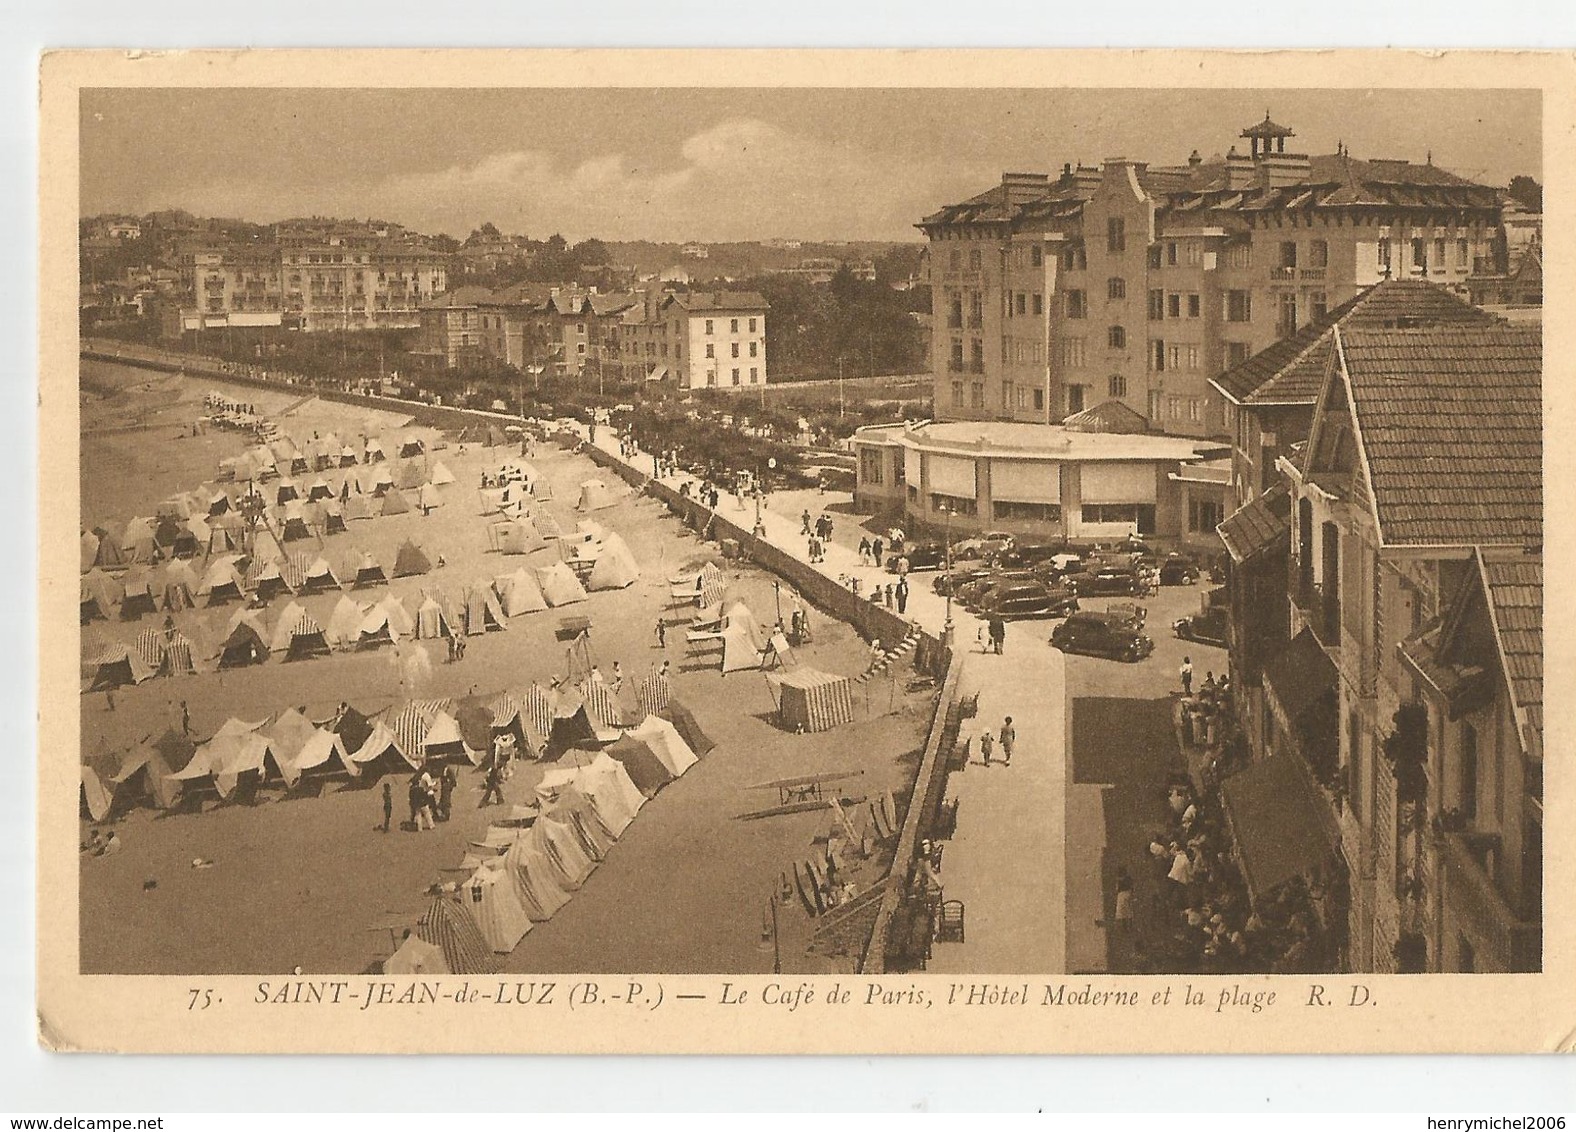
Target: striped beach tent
601,704
408,724
536,711
150,647
653,693
810,700
448,925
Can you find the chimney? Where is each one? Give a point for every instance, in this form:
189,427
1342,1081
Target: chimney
1194,160
1240,171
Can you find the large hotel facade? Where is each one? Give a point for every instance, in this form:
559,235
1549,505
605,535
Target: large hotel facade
1139,283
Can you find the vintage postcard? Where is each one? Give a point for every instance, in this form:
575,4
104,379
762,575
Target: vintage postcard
825,552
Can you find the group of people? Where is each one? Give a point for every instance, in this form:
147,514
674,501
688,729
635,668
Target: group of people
431,798
819,534
456,648
871,551
893,595
1206,715
992,635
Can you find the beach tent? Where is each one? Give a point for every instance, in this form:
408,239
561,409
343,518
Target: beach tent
287,738
594,837
410,560
440,474
410,475
298,635
237,750
684,722
357,507
571,724
221,583
601,705
492,499
292,522
646,770
398,615
559,585
178,586
511,717
411,445
495,905
136,541
416,957
320,490
375,629
367,572
148,769
373,450
347,457
149,645
474,718
266,578
612,792
98,783
428,498
518,593
246,641
406,726
286,491
178,657
666,743
516,536
615,568
107,554
345,622
809,700
218,502
351,727
547,526
594,496
652,694
480,611
568,862
99,592
114,665
526,866
172,534
443,738
329,517
394,503
318,576
226,533
176,507
431,620
89,543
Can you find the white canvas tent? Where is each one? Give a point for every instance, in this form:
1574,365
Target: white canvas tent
518,593
559,585
615,567
495,906
594,496
669,746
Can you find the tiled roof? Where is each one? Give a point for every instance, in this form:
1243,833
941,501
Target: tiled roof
1451,422
1291,371
1257,524
1108,416
721,300
1515,591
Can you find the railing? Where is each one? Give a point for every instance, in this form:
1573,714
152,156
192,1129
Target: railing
1327,622
1283,275
1514,943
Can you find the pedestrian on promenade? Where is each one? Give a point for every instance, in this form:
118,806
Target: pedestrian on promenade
417,799
864,552
1009,736
446,786
804,522
987,745
998,635
1187,675
875,550
388,806
662,633
493,790
902,593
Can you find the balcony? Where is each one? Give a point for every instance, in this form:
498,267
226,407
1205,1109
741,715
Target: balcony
1512,943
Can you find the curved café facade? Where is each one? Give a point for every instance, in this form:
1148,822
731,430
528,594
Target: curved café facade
1043,481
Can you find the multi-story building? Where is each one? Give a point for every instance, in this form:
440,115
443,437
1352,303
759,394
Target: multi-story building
313,275
1409,684
1139,283
695,339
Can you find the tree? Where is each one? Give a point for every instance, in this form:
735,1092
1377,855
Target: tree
1527,192
592,252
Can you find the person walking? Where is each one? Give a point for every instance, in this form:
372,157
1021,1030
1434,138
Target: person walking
493,790
901,593
987,745
388,806
1009,737
446,786
875,550
417,798
864,552
998,635
662,633
804,522
186,719
1187,675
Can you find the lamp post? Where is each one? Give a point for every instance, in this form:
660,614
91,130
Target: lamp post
946,626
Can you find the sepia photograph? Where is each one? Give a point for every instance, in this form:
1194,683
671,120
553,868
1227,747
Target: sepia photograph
628,543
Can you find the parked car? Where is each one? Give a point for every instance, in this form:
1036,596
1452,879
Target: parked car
1023,554
1128,611
950,583
1099,634
1209,627
920,555
1107,580
1019,601
973,593
1178,570
983,546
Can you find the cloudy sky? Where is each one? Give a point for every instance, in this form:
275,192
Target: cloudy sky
713,164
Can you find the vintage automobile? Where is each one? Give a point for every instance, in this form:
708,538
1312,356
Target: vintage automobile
983,546
1020,601
1209,627
973,593
920,556
1114,580
1025,554
956,579
1178,570
1100,634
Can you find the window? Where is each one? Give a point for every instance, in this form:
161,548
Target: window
1195,410
1075,398
1240,255
752,326
1463,255
1203,515
1070,352
1439,254
1192,357
1022,302
1173,357
976,395
1157,305
1382,261
956,504
1039,399
755,375
1140,515
955,312
1195,253
708,326
735,349
974,259
711,350
1116,288
1077,305
976,356
1286,316
957,394
1174,408
1173,305
976,309
1036,256
1154,256
1469,771
1171,254
755,348
1318,305
1039,303
1075,259
735,375
956,361
1239,306
1419,255
580,347
1319,253
733,326
1116,338
1117,385
955,260
1026,512
870,466
1288,253
1157,354
1115,234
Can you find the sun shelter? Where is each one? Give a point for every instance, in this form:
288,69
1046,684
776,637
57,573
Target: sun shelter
345,622
515,536
480,611
237,749
299,635
428,497
395,503
372,451
571,724
594,836
410,474
645,769
440,474
742,647
114,665
526,866
328,516
221,582
107,553
376,629
347,457
495,906
475,720
568,862
416,957
615,568
286,491
99,592
594,496
245,642
179,657
666,743
136,541
448,924
266,578
810,700
518,593
319,577
613,794
179,586
431,620
559,585
368,572
410,560
297,745
98,783
358,507
601,705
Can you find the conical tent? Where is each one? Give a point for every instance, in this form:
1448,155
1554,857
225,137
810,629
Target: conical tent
179,587
99,592
666,743
416,957
221,582
375,629
429,497
518,593
496,907
410,560
559,585
398,615
410,475
441,474
245,643
594,496
482,613
739,650
319,577
115,665
367,572
411,445
266,578
330,517
358,507
615,568
684,721
344,624
298,634
516,536
395,503
448,924
432,621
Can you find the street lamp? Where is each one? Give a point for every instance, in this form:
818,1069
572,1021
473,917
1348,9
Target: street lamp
946,626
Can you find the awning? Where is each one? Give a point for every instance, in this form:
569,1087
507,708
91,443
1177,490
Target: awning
1281,825
1300,675
1257,525
658,374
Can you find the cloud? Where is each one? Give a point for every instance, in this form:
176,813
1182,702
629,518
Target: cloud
738,179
